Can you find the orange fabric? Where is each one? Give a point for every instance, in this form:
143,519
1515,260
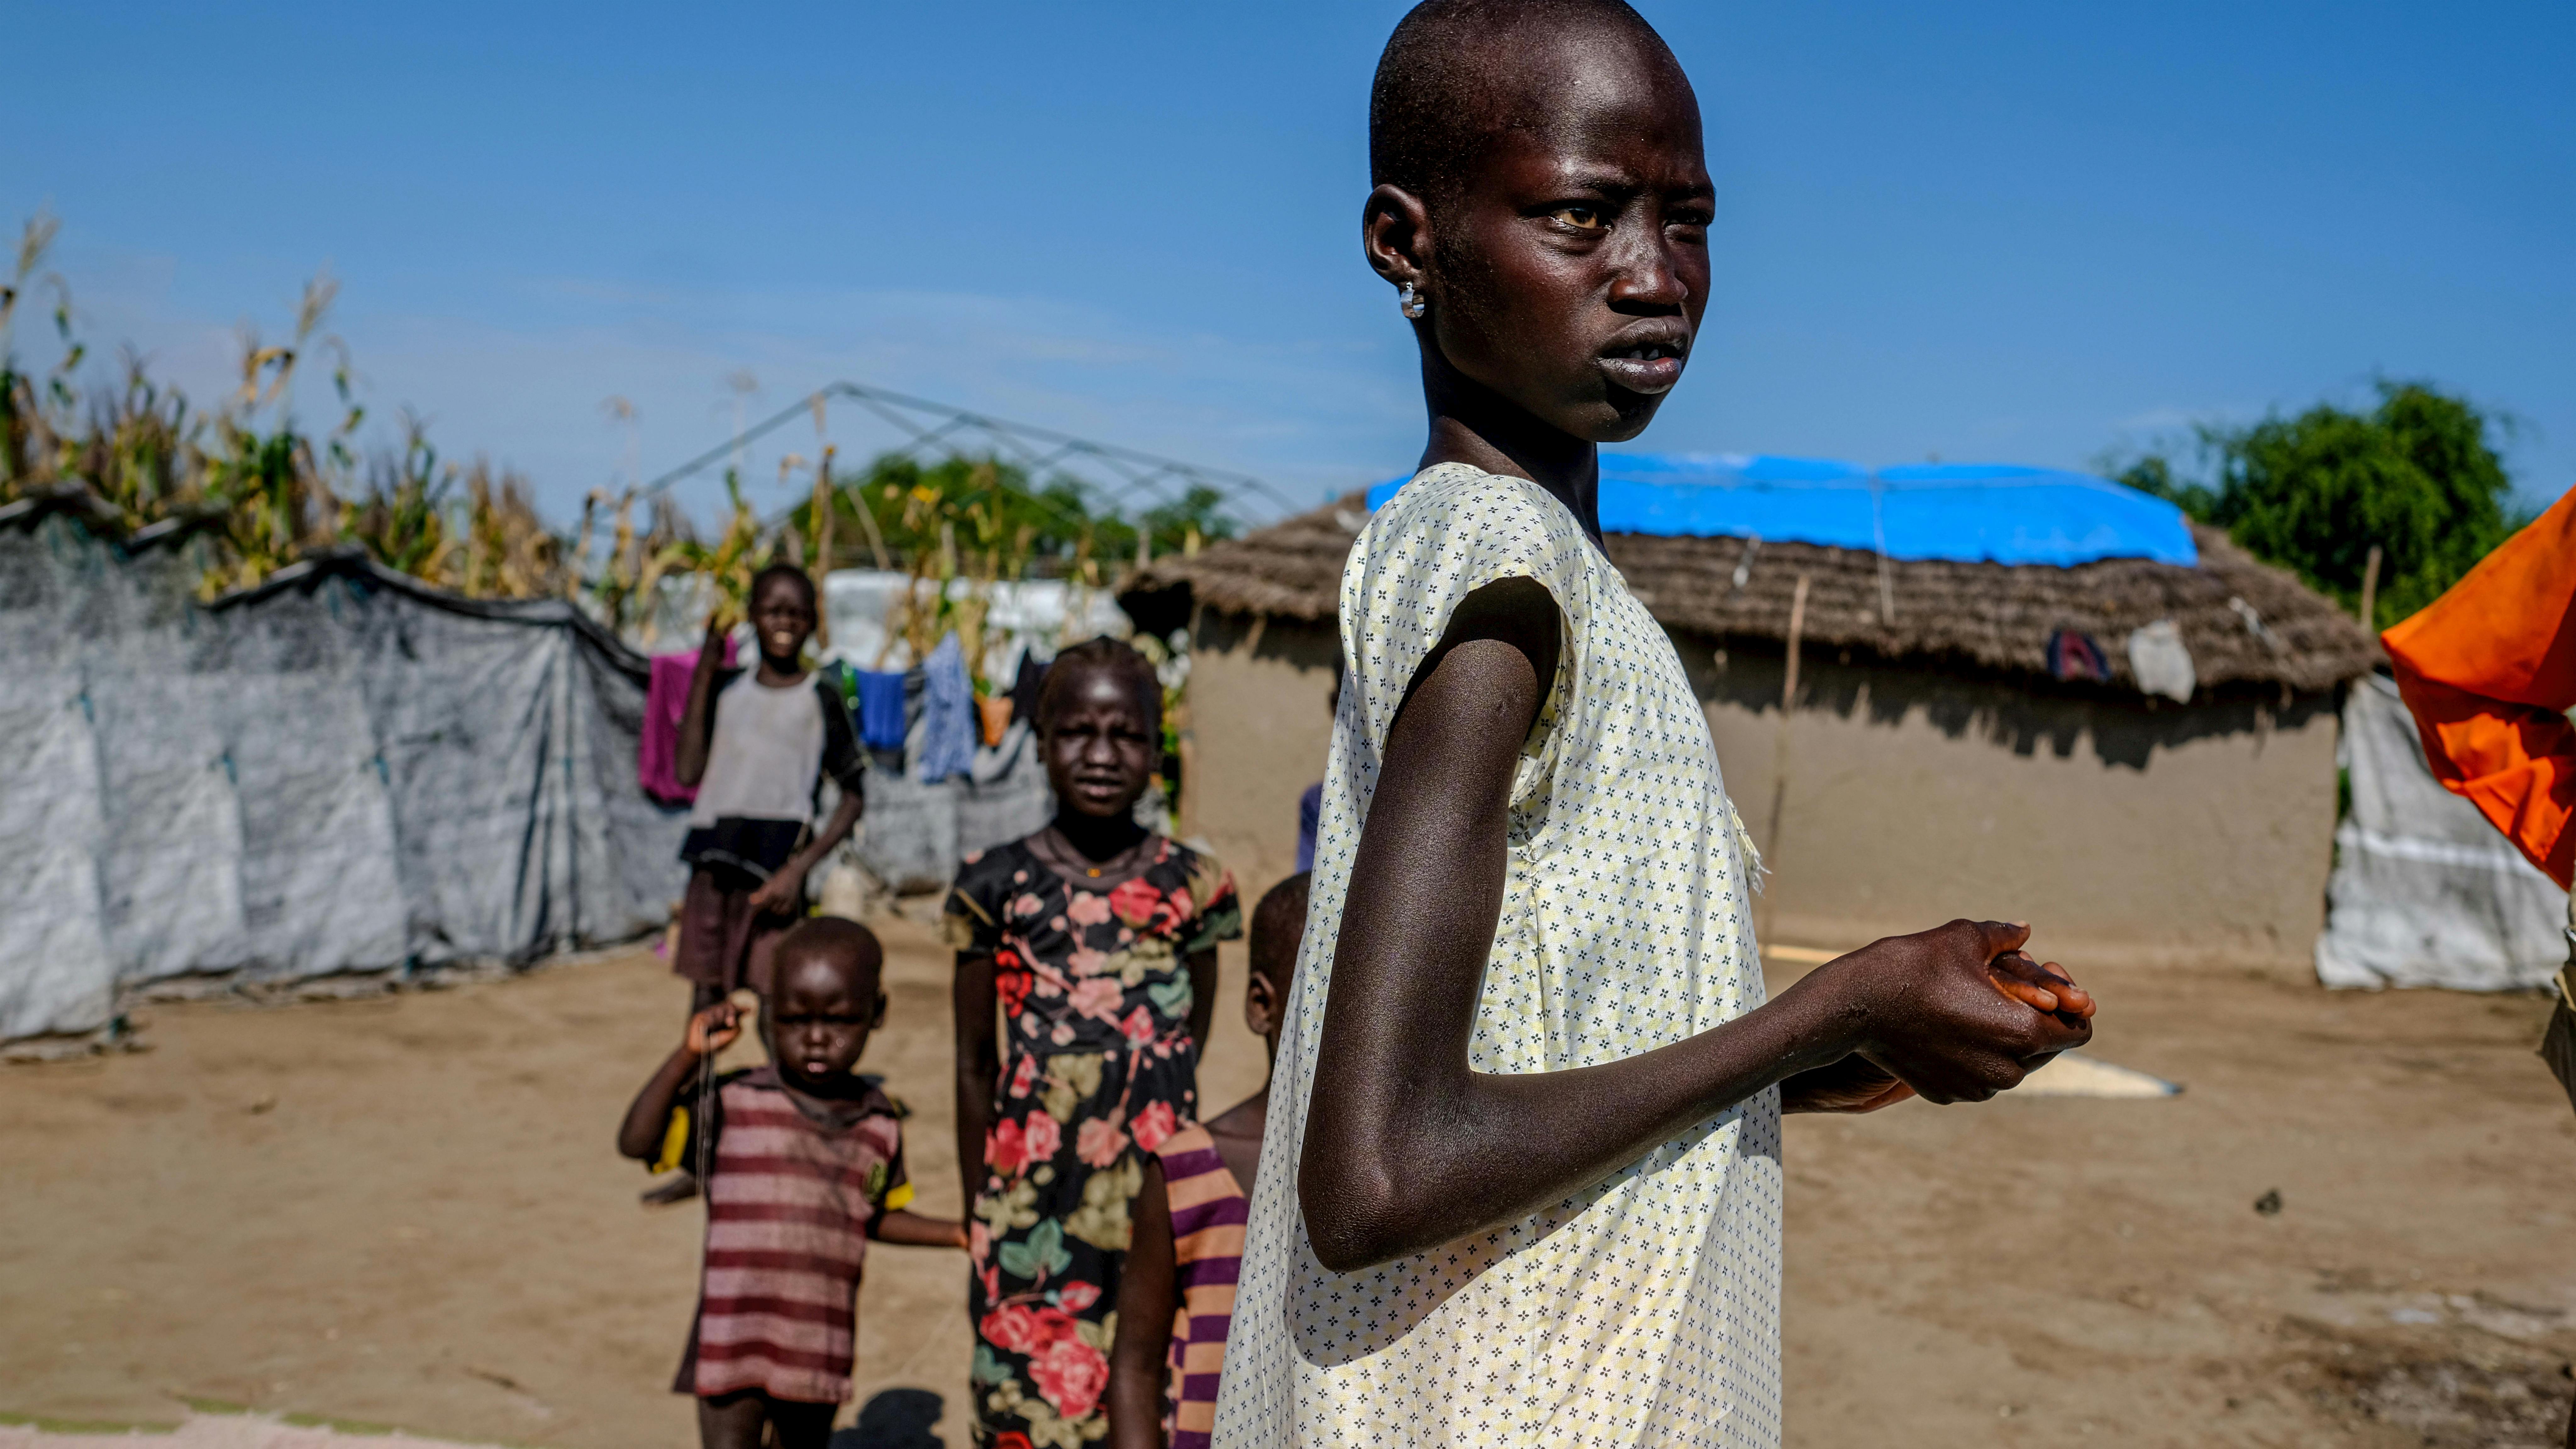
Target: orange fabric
2489,672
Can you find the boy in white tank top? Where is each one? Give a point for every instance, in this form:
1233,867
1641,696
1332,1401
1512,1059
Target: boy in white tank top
756,746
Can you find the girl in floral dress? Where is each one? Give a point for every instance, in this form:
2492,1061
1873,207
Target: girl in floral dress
1086,972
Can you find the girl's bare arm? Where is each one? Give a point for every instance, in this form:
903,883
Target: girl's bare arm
979,1066
909,1229
1203,983
1407,1147
784,891
697,720
649,1116
1147,1298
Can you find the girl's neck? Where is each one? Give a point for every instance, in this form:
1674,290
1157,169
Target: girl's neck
778,674
1098,838
1474,425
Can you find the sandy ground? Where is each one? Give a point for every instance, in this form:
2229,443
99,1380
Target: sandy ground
406,1212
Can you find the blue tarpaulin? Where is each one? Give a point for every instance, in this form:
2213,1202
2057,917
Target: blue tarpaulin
1973,512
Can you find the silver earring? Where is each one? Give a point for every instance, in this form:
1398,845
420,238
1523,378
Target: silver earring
1409,302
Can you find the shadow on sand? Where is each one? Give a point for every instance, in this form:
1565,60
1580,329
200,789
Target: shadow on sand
895,1419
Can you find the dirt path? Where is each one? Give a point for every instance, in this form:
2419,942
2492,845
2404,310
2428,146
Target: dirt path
407,1212
2055,1271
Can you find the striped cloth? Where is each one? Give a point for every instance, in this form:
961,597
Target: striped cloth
792,1199
1208,1214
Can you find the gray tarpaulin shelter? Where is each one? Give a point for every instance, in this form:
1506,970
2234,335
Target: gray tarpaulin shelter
2424,891
914,834
340,770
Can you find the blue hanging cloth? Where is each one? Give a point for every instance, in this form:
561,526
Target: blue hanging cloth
948,728
881,708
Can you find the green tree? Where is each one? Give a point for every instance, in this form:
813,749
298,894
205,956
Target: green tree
2416,476
991,507
1199,510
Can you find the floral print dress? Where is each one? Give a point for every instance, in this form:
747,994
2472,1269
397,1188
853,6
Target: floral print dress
1098,1067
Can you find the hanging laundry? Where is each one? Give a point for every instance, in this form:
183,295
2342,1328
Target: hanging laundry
666,698
881,713
2489,672
948,727
1024,689
2075,656
2161,663
995,712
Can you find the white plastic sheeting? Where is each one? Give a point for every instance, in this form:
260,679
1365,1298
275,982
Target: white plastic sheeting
1026,614
341,770
2424,891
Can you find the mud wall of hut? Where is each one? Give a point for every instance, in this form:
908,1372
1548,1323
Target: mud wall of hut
1261,723
2130,834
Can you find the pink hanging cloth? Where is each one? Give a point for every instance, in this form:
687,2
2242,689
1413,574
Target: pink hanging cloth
666,698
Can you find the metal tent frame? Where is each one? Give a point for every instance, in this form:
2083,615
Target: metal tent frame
1135,479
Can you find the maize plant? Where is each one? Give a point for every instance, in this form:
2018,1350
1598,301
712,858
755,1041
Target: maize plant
264,493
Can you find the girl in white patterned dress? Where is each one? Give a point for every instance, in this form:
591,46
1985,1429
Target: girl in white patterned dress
1522,1183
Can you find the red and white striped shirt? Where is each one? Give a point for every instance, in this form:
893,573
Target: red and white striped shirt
793,1195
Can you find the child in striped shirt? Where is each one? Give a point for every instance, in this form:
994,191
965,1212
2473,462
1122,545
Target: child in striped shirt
1176,1294
803,1164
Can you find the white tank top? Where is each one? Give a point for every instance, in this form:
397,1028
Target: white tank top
765,751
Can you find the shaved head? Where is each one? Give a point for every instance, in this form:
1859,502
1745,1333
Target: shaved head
849,950
1458,71
1542,196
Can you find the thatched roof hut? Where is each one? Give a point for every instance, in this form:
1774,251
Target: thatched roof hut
2250,627
1932,765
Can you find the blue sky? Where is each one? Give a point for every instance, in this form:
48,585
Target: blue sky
2014,232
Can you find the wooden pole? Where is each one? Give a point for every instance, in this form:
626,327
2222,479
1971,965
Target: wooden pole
2370,590
1780,752
1797,633
876,535
1185,811
824,507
